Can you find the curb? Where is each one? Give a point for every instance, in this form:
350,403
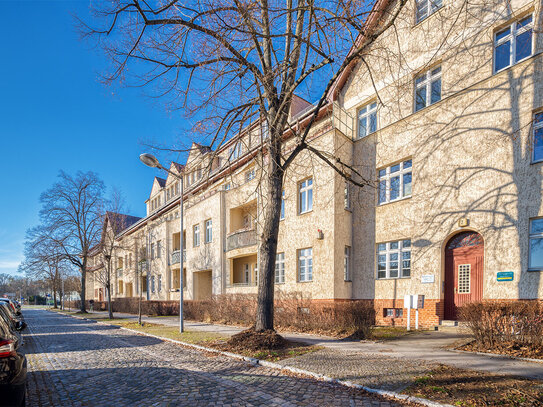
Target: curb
273,365
498,356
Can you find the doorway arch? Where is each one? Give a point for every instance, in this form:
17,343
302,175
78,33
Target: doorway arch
464,264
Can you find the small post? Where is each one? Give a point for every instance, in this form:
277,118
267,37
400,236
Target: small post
417,319
409,318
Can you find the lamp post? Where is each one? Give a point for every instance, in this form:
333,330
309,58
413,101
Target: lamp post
151,161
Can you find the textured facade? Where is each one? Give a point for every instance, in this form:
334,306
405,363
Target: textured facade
446,130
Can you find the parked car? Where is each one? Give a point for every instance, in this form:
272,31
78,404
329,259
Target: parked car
12,363
15,322
12,305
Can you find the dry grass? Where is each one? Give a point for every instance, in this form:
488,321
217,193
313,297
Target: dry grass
467,388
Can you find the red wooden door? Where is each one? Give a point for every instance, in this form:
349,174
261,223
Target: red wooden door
464,264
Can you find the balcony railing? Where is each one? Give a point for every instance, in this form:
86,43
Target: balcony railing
240,239
248,284
176,256
143,266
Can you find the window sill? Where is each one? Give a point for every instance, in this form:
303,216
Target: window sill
305,213
276,283
535,270
537,161
306,281
393,278
394,201
348,281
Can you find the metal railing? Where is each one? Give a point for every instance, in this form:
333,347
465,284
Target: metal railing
242,238
176,256
247,284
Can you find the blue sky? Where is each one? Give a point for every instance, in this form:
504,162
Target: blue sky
55,114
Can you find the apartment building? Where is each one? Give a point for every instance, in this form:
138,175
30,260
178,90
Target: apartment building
444,115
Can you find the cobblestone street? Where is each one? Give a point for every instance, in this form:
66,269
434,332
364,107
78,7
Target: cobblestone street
80,363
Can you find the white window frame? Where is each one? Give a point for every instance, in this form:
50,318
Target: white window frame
282,211
347,196
512,37
227,186
208,231
533,236
160,283
152,251
152,284
304,187
370,110
429,79
537,125
280,268
250,175
347,264
429,9
235,151
305,265
388,177
196,235
403,247
158,248
247,273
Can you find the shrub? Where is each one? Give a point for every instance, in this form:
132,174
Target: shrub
493,323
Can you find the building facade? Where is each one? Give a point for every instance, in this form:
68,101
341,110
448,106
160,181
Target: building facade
444,116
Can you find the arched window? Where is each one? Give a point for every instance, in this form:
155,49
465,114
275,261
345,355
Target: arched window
465,239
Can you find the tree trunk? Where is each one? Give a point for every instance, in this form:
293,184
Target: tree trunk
54,297
108,287
268,242
82,307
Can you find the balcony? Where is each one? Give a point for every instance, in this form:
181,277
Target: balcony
246,284
242,238
176,257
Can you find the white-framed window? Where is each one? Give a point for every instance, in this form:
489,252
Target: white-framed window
347,195
196,235
255,273
177,188
513,43
152,284
464,278
305,264
152,250
227,186
279,268
246,273
158,248
427,88
394,259
393,312
209,231
234,152
425,8
250,175
282,216
160,283
305,196
536,244
537,146
395,182
347,264
367,120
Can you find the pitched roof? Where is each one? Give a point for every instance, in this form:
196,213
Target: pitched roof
122,221
161,181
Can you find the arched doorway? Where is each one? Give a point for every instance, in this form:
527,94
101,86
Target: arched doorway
464,260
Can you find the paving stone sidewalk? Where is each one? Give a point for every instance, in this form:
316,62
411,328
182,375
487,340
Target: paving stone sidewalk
80,363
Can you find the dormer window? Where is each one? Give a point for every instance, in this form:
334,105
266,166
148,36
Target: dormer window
234,152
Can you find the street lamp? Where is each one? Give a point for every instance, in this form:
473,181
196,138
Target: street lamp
151,161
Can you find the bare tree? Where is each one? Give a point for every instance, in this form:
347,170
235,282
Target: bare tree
113,222
44,260
71,218
228,64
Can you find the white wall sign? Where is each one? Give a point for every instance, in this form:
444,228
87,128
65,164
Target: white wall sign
427,278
